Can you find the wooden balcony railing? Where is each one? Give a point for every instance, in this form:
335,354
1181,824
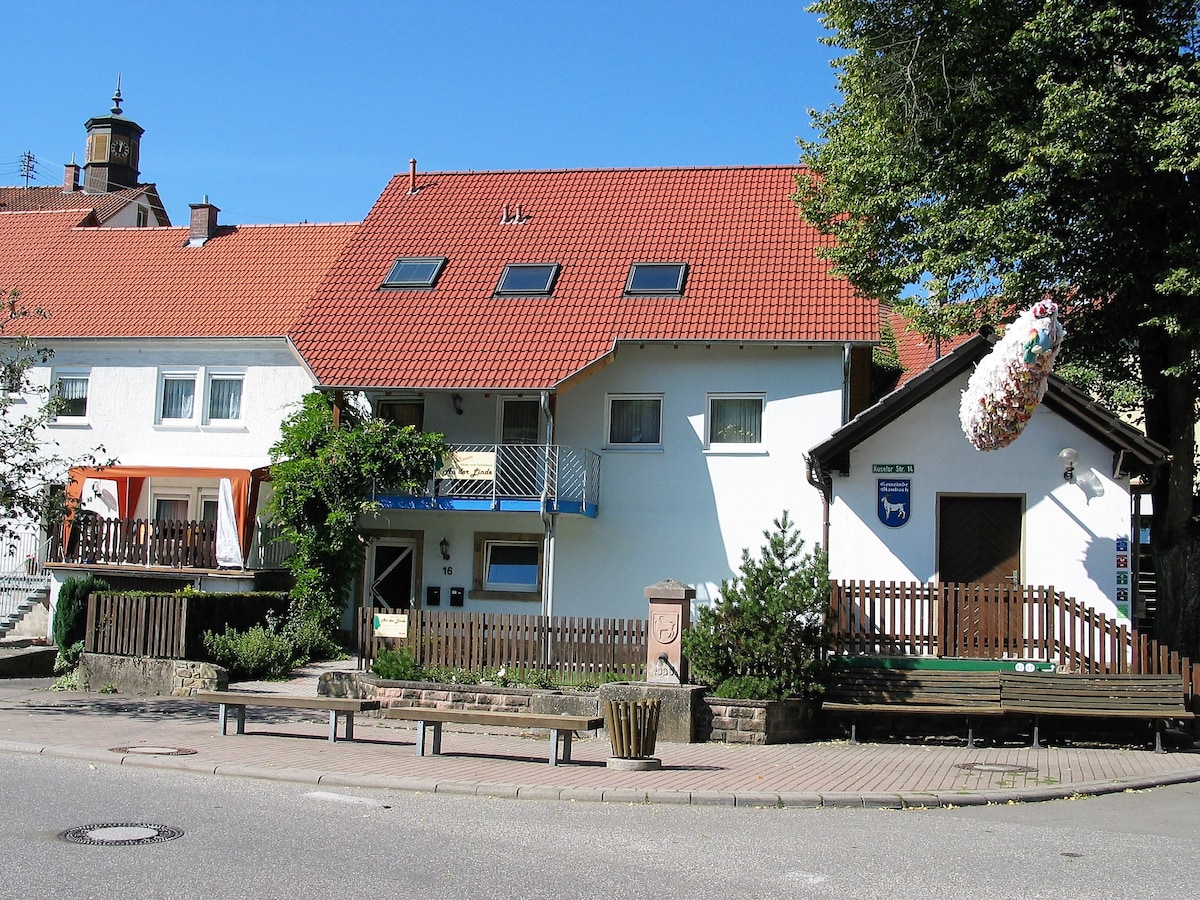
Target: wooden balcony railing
177,544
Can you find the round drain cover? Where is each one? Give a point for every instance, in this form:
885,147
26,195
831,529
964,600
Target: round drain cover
154,751
1001,768
121,834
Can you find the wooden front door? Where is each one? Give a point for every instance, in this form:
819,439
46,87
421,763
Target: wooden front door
979,539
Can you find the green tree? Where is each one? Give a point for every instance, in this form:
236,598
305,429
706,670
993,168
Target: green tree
765,638
989,153
323,478
32,471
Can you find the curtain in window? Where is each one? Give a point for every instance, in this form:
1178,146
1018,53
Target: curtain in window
735,420
634,421
73,393
178,395
225,398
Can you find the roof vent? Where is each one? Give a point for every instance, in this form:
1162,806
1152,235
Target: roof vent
203,224
508,217
412,176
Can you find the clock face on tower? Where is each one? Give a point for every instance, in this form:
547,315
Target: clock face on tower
120,148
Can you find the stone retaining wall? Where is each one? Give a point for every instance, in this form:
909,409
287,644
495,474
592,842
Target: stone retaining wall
147,676
757,721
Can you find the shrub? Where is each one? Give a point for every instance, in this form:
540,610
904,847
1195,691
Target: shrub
258,652
397,665
70,616
766,634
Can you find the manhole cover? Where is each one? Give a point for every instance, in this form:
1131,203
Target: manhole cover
154,751
1002,768
121,834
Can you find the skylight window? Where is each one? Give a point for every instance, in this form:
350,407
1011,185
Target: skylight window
526,278
415,272
656,278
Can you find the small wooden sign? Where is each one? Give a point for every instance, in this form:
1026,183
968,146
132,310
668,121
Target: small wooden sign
392,625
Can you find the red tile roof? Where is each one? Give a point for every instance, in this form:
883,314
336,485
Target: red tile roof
917,352
754,275
107,205
246,281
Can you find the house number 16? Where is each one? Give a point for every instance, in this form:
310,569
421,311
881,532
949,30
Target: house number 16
447,570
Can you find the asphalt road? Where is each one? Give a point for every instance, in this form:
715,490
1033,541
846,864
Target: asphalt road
256,838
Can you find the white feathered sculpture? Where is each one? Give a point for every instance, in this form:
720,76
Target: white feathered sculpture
1010,381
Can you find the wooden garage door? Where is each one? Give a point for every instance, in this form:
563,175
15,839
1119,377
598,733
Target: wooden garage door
979,539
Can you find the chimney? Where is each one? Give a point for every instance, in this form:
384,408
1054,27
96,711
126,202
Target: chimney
412,176
71,178
203,222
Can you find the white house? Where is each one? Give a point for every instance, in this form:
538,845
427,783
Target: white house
628,362
910,499
171,358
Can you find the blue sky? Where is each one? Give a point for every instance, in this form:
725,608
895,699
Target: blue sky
292,111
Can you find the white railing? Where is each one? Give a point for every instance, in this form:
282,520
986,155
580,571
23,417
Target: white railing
21,573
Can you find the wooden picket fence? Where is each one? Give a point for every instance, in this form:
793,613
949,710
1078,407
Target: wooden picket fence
169,626
877,618
569,649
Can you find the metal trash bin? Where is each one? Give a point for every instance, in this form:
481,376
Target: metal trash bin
632,727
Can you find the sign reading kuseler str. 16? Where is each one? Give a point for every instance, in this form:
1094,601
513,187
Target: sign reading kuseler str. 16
893,468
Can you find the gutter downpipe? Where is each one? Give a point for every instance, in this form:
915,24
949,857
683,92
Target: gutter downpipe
548,524
823,482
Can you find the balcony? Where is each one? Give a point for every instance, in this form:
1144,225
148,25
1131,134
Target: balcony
509,478
91,540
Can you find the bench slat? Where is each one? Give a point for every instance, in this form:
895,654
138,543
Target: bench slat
494,717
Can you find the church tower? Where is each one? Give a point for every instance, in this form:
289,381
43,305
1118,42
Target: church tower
113,146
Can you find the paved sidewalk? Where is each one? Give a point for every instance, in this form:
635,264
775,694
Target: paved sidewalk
290,745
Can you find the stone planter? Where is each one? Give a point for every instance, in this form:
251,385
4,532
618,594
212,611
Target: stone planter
758,721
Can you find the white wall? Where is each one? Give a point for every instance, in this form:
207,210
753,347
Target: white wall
684,512
1069,534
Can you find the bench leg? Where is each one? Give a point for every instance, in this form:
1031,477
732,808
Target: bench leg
349,717
563,735
437,738
1158,747
854,730
1036,745
239,711
420,737
970,736
333,717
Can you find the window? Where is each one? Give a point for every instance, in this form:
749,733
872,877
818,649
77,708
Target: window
634,420
735,419
507,566
178,397
224,398
403,412
71,391
656,278
143,217
415,272
525,278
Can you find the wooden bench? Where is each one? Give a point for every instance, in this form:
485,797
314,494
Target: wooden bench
864,690
562,727
1153,697
237,701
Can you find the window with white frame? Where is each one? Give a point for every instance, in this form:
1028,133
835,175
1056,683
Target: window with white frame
634,420
177,396
224,397
735,419
507,566
71,395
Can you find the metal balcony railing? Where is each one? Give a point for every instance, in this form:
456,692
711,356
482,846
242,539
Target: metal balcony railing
510,477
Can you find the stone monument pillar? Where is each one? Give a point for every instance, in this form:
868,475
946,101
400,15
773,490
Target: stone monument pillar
670,617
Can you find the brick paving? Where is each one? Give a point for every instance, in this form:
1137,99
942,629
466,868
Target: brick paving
293,745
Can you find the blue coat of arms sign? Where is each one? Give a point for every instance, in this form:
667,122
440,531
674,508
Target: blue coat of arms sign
895,501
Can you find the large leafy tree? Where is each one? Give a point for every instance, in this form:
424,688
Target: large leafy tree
988,153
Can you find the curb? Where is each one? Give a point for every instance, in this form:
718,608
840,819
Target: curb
755,799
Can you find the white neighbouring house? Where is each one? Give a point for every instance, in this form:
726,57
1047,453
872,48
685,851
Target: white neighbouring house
911,500
170,353
629,364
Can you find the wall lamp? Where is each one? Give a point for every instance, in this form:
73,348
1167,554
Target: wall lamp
1068,456
444,546
456,399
